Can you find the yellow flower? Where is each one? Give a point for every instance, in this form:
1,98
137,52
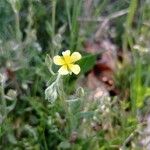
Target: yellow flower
66,61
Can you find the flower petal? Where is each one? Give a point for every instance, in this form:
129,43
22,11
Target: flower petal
66,56
63,70
58,60
75,56
66,53
74,68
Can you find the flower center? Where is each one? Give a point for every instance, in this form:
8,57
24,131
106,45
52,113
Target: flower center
67,60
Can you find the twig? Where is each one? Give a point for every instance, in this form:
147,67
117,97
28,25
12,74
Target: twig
130,137
101,19
146,24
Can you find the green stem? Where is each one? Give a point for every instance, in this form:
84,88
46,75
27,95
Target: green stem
53,22
53,16
18,32
127,38
44,140
3,100
68,14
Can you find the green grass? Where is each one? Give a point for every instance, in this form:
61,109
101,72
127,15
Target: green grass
31,33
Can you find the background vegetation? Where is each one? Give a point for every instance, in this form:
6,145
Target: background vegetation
31,29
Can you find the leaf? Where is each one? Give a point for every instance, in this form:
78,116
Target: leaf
49,28
65,145
87,62
37,105
147,92
12,106
12,139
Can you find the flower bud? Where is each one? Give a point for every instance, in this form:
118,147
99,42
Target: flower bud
51,93
12,94
80,92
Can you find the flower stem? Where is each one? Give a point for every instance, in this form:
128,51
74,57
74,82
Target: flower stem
63,101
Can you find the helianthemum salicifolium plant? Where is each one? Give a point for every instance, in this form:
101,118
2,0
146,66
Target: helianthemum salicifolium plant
67,62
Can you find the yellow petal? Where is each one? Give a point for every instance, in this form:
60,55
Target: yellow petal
74,68
75,56
66,53
58,60
63,70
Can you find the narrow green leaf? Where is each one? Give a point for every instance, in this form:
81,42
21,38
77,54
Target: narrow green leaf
87,63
